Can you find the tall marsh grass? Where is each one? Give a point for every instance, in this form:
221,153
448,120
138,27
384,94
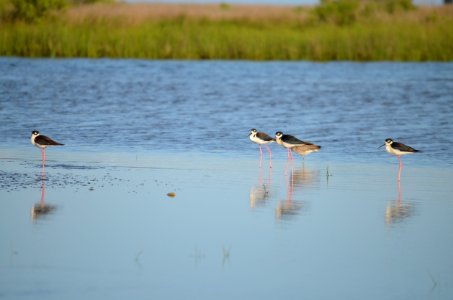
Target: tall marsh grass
285,34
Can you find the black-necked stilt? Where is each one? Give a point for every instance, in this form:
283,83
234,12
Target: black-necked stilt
42,141
290,142
262,138
398,149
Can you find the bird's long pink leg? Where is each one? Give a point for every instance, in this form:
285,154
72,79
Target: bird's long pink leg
270,155
43,189
43,157
261,156
400,168
289,155
261,178
399,192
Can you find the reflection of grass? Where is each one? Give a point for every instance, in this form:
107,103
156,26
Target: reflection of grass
434,281
137,257
226,253
328,174
282,34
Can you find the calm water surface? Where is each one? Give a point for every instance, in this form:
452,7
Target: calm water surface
98,224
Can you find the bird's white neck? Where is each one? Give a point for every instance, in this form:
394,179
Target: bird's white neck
32,140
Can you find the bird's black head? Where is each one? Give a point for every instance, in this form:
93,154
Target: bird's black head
278,134
35,132
253,130
388,141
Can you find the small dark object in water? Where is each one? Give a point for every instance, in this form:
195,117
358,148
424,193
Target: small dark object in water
41,209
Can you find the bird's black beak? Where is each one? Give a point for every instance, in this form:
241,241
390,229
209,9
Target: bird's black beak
381,146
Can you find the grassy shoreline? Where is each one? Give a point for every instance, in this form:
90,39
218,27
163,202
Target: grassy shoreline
157,31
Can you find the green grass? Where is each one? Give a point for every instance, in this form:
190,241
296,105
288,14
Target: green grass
427,39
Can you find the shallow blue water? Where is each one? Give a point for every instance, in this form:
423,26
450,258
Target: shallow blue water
185,106
233,231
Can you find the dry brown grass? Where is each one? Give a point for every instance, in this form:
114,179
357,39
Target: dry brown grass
419,15
137,13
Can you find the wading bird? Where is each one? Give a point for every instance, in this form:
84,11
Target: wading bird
262,138
42,141
398,149
290,142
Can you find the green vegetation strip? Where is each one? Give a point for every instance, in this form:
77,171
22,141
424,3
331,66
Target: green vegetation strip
423,39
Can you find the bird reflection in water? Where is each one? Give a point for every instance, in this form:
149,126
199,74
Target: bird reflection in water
41,209
297,178
260,193
305,177
397,210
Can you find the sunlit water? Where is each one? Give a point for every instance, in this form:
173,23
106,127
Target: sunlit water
136,105
98,224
